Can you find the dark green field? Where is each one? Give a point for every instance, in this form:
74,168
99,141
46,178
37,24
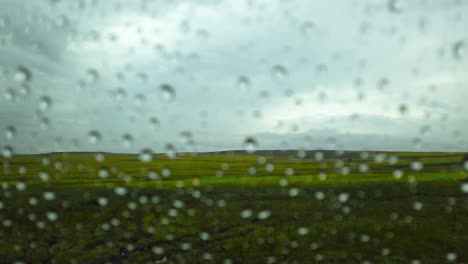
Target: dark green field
232,207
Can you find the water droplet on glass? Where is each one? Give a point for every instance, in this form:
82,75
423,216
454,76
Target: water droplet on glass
307,27
7,152
120,190
92,76
22,74
246,213
279,73
417,165
167,92
154,122
243,82
451,256
146,155
170,151
250,145
302,231
459,50
127,140
103,201
94,137
103,173
395,6
10,132
417,206
45,102
52,216
262,215
464,187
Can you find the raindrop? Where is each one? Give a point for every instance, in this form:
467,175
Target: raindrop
10,132
302,231
293,192
262,215
22,74
395,6
246,213
279,73
397,174
49,196
94,137
167,92
103,201
92,76
154,122
204,236
243,82
103,173
417,165
170,151
45,102
307,27
7,152
158,250
464,187
459,50
451,256
343,197
403,109
250,145
319,196
52,216
120,190
146,155
417,206
127,140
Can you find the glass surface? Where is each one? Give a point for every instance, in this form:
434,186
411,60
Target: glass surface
233,131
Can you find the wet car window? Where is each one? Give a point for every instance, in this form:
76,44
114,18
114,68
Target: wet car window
233,131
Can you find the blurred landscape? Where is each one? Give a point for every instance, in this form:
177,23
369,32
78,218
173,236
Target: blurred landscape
235,207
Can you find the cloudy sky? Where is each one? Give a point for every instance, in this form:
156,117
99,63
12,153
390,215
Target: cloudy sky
207,74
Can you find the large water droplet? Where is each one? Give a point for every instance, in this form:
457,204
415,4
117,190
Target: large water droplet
22,74
250,144
167,92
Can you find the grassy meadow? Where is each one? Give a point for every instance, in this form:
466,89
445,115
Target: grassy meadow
233,207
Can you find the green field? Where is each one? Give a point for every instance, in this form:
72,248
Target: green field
267,207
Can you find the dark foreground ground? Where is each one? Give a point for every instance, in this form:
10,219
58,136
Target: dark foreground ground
354,218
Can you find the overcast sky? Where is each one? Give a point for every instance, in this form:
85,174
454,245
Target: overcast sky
292,74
